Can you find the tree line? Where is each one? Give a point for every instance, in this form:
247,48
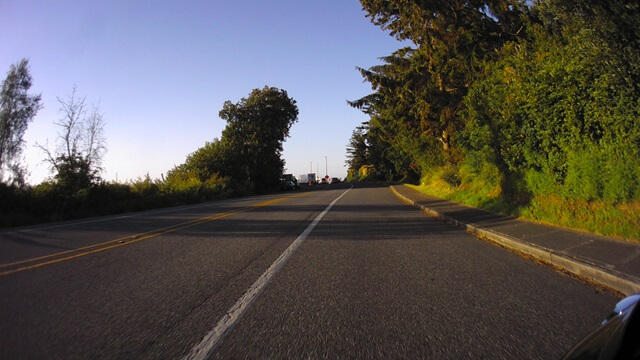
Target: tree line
246,159
248,156
518,98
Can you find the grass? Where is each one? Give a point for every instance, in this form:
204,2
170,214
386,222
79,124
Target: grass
621,221
616,220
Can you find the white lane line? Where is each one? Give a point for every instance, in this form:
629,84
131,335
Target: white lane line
206,347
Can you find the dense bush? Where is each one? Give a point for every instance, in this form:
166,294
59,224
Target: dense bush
50,201
560,112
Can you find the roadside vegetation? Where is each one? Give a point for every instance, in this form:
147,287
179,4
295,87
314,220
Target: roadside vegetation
247,159
526,108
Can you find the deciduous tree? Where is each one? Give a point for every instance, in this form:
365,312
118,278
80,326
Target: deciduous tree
256,129
17,109
248,156
80,145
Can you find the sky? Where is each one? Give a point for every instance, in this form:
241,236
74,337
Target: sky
160,71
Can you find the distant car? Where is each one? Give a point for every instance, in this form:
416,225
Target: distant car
335,180
618,337
286,178
287,185
324,181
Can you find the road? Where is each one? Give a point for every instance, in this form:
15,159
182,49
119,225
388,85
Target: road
332,273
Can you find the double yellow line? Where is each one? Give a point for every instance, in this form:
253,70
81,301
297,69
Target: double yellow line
67,255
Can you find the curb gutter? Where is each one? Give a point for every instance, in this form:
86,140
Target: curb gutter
615,280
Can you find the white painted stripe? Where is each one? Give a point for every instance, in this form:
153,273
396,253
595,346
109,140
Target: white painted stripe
206,347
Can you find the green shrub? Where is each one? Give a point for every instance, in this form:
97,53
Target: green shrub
49,201
620,172
451,177
145,186
584,178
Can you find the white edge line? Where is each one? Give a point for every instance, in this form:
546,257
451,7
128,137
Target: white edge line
206,347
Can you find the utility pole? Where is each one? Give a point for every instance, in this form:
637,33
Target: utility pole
326,166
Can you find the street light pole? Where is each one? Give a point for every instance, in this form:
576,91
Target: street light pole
326,167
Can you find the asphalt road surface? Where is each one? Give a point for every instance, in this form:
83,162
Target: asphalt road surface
331,273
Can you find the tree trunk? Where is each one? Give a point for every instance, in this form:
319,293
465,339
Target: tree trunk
446,141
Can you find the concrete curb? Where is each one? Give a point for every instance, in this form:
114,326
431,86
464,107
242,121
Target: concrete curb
615,280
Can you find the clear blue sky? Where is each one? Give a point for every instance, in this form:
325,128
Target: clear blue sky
161,70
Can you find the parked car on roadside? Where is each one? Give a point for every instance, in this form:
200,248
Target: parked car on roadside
335,180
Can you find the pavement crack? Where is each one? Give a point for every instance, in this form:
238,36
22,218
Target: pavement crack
578,245
633,255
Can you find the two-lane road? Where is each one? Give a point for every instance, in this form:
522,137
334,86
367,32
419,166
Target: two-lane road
368,277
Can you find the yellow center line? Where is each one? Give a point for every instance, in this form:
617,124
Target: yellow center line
116,243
